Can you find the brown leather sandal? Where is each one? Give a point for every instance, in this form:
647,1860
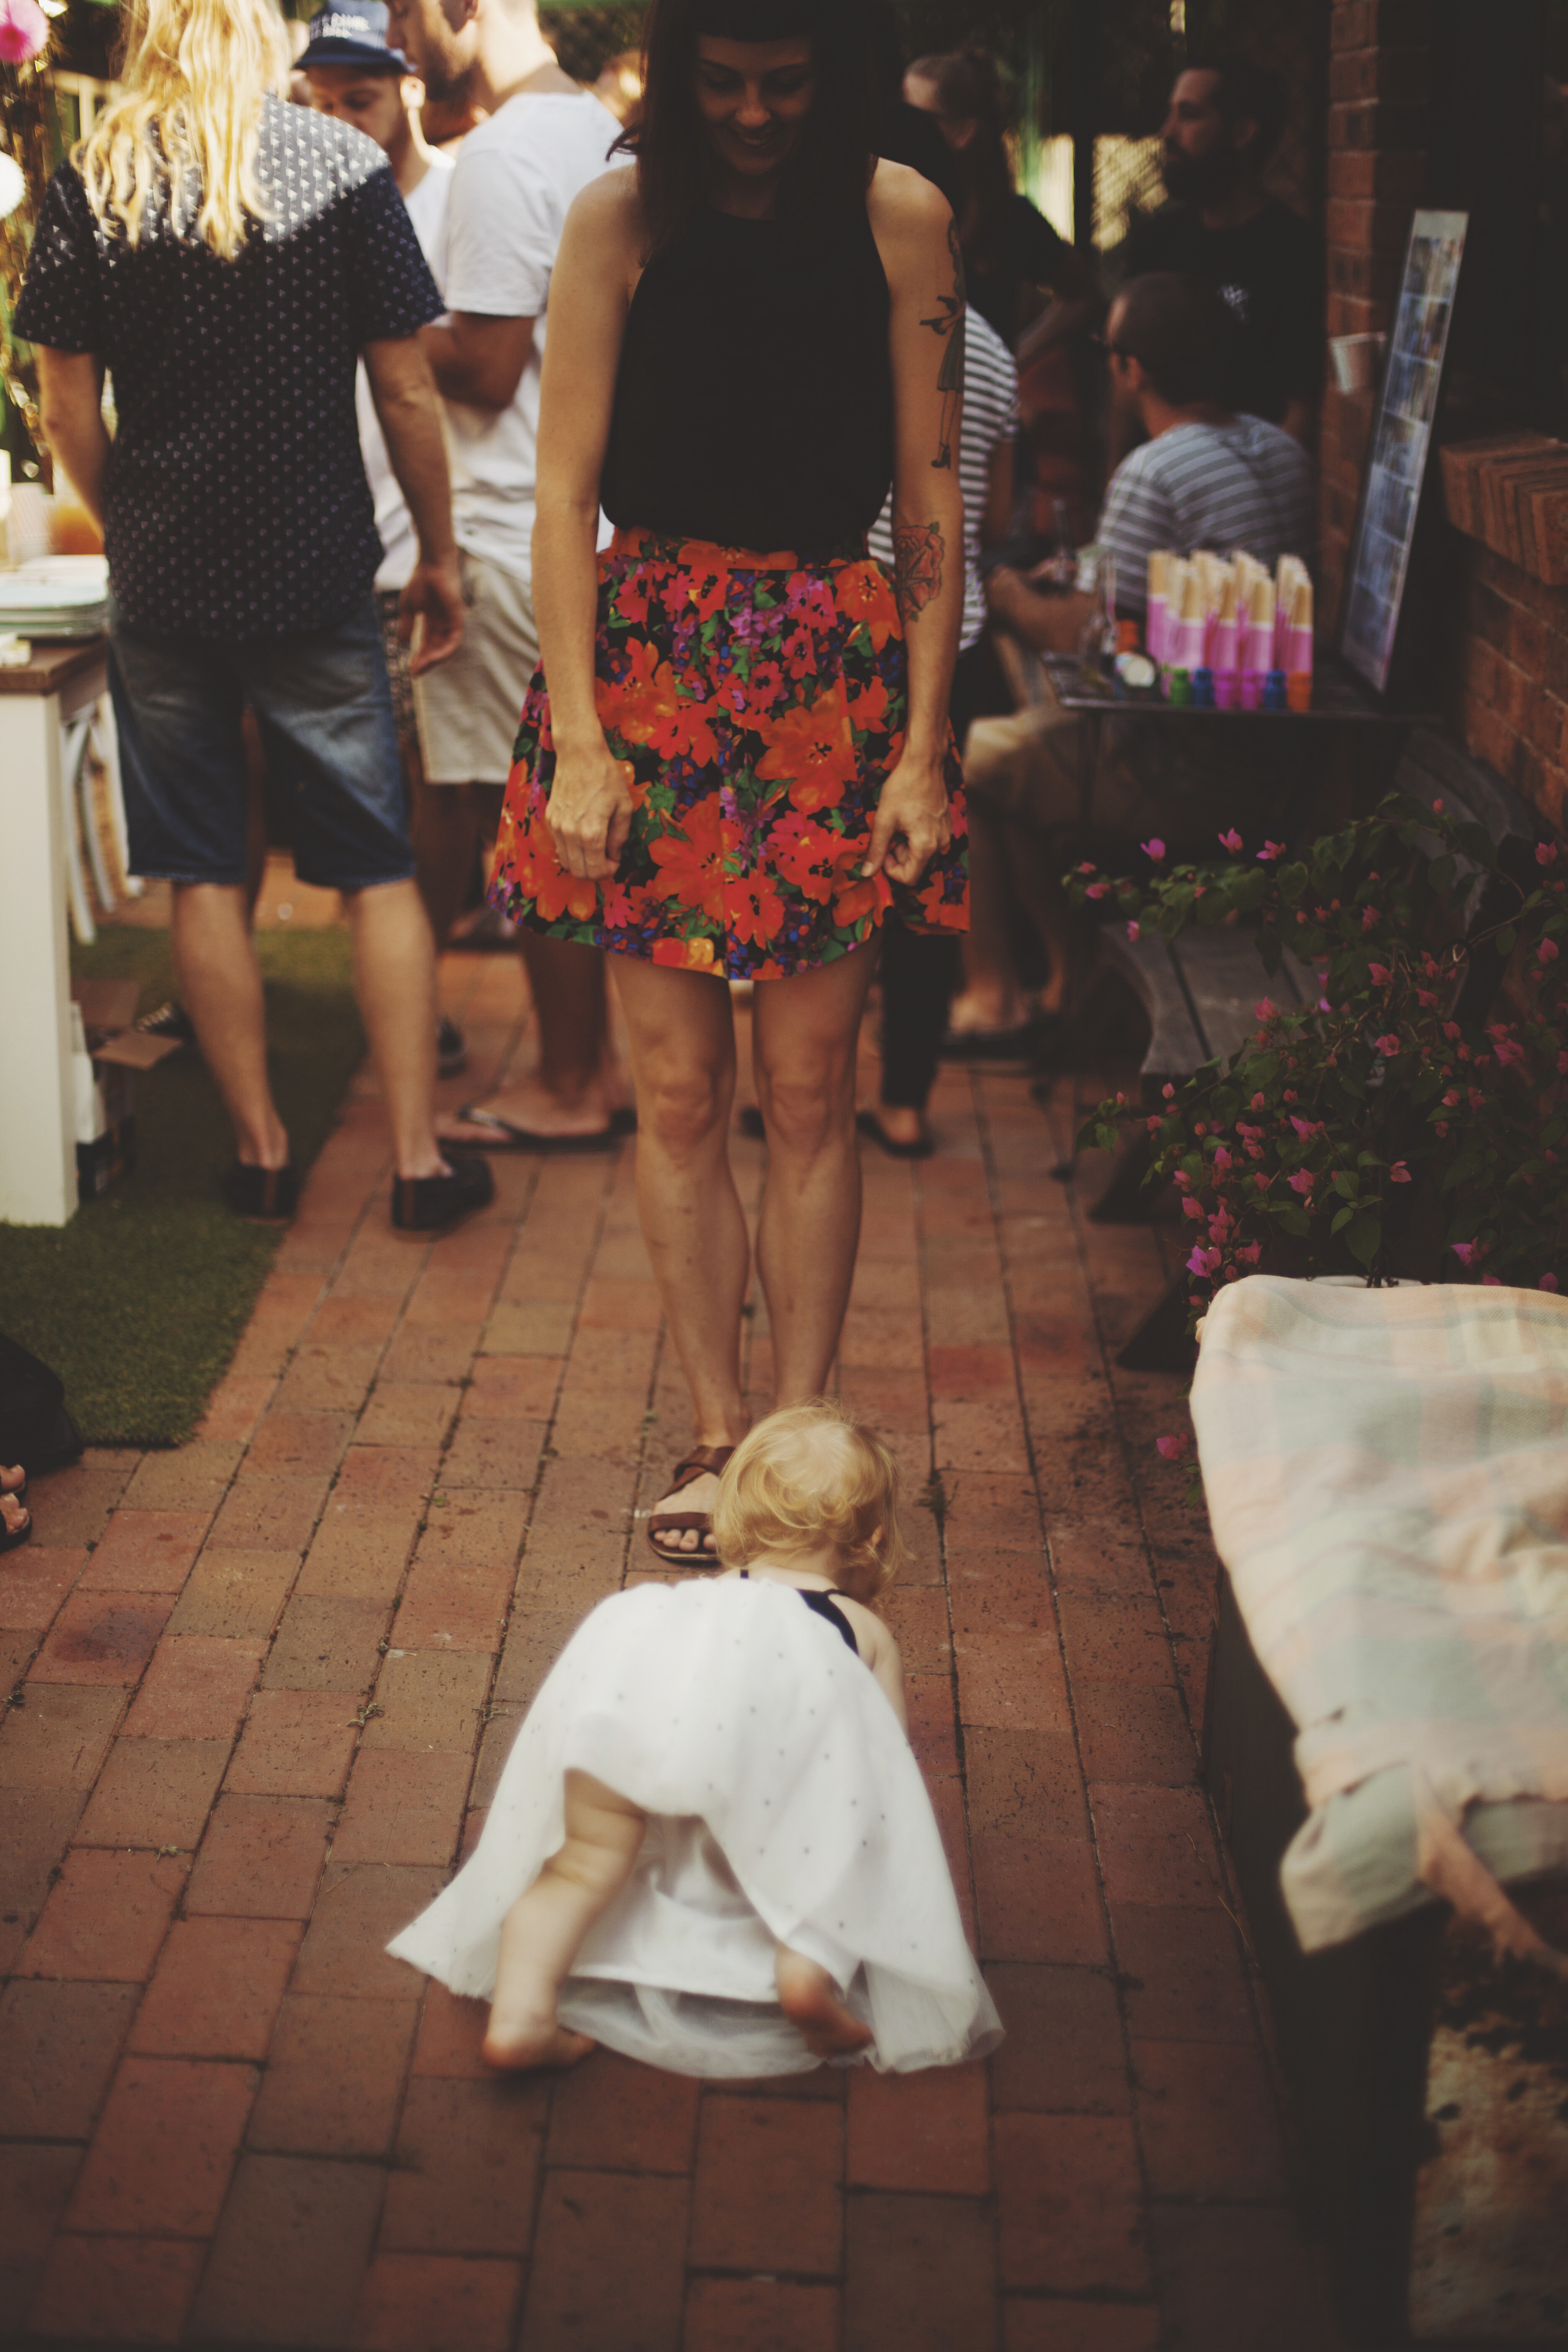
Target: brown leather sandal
692,1465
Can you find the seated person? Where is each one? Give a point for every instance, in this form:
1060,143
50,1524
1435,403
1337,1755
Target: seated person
1204,477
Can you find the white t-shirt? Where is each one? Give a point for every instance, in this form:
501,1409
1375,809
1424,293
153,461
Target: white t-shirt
515,179
428,211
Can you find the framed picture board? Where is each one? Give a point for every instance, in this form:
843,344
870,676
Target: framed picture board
1401,441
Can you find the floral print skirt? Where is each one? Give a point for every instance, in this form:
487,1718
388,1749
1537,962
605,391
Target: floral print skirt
761,702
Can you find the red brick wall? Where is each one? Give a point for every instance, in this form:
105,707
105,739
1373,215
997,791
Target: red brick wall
1508,696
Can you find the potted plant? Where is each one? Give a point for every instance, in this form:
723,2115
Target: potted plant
1390,1124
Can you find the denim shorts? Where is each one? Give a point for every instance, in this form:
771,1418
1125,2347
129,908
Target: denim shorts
324,708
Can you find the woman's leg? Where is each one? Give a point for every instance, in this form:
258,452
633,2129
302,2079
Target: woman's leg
804,1035
541,1933
682,1041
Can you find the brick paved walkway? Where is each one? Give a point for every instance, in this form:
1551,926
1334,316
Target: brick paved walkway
265,1684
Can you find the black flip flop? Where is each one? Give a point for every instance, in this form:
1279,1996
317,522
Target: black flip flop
510,1138
869,1124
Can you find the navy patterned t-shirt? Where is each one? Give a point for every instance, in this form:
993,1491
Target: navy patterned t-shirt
236,503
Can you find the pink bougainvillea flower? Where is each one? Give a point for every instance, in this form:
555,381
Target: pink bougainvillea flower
1303,1127
1451,1031
1547,1282
1252,1253
1466,1252
1546,854
1154,848
1508,1050
1379,975
1399,1173
1169,1091
1133,931
1301,1181
1369,916
24,31
1098,891
1265,1008
1387,1046
1493,1281
1230,840
1269,851
1172,1449
1425,996
1259,1103
1191,1208
1222,1157
1547,950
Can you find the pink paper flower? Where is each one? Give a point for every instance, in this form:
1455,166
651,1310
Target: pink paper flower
1379,975
1399,1173
1089,866
1154,848
1134,932
1172,1449
1493,1281
1269,851
1423,996
1222,1157
1098,891
1191,1208
1301,1181
1303,1127
1169,1091
1259,1103
1547,1282
24,31
1387,1046
1369,916
1264,1009
1466,1252
1252,1253
1547,950
1231,840
1546,854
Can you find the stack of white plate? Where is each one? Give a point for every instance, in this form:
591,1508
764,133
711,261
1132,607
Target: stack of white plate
55,596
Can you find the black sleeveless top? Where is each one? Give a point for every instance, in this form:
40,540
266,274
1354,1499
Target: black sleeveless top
821,1604
754,399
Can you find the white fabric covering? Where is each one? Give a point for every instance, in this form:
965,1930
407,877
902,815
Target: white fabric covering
786,1804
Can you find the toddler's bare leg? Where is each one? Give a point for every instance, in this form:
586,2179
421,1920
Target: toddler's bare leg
541,1933
810,2001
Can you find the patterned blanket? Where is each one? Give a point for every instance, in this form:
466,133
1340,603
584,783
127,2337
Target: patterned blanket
1387,1473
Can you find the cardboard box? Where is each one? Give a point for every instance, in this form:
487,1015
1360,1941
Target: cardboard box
106,1053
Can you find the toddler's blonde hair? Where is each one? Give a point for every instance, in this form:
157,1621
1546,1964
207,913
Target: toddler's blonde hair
807,1477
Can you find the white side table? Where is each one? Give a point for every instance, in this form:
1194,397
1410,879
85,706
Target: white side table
37,1125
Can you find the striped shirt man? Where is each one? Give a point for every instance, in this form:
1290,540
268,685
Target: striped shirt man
1242,485
990,421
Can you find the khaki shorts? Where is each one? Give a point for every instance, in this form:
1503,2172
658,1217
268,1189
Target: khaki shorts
1026,767
468,707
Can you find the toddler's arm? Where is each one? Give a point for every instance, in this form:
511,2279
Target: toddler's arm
888,1665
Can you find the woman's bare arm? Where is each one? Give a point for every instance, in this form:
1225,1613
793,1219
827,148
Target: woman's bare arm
590,291
919,247
70,397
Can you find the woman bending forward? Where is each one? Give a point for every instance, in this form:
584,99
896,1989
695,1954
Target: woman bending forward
735,757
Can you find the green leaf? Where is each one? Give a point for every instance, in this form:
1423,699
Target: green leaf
1365,1237
1343,1218
1506,938
1291,881
1293,1219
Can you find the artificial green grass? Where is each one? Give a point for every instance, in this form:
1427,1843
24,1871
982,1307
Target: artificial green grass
137,1304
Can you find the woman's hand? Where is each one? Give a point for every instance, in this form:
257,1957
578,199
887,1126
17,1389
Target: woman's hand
590,809
914,805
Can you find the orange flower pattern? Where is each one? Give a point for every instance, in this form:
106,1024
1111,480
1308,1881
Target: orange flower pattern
760,705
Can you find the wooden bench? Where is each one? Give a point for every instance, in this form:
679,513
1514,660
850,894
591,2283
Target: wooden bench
1200,994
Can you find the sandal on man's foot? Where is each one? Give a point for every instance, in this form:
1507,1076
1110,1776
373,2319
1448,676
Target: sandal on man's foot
426,1205
9,1535
266,1196
695,1465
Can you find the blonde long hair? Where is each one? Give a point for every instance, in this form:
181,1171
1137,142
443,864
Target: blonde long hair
194,75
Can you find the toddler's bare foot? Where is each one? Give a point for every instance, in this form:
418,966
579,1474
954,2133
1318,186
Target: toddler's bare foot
516,2041
807,1997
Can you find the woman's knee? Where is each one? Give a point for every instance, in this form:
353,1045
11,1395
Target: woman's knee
807,1108
684,1106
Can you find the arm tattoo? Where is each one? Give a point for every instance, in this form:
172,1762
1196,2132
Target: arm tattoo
918,552
947,325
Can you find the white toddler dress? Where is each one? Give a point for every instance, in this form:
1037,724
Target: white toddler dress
784,1805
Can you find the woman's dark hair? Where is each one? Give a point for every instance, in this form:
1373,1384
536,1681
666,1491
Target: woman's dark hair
969,89
831,168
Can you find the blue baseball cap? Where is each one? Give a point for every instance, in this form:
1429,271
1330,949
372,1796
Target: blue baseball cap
350,36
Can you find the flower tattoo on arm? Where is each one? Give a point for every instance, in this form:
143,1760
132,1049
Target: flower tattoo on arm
947,325
919,550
